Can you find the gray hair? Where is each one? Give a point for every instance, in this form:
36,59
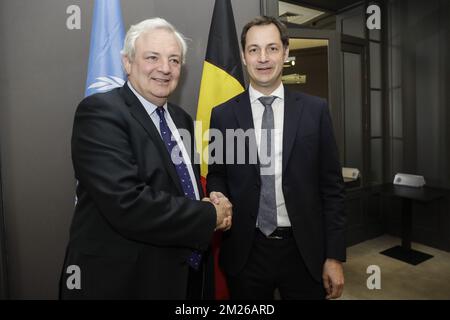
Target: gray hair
135,31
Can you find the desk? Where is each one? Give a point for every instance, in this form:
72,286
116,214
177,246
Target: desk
409,195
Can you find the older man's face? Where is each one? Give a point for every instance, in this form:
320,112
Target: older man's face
155,70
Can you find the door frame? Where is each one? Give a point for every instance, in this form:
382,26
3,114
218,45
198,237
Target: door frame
359,46
334,76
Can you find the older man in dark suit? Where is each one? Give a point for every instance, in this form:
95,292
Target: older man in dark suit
140,227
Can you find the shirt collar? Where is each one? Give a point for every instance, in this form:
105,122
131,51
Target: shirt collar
255,94
150,107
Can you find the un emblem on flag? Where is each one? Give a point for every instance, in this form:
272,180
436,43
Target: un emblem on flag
107,83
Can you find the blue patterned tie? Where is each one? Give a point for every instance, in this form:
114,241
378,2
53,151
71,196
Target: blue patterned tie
182,171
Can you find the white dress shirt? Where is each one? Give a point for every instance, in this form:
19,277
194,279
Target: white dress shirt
151,110
278,116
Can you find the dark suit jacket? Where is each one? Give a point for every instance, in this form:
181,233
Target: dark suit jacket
133,229
312,182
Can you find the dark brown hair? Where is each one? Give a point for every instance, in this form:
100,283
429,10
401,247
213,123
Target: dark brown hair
262,21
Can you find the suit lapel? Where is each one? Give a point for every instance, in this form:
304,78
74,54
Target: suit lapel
293,109
244,116
243,111
138,112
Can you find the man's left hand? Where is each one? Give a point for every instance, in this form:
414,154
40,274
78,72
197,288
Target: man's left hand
333,278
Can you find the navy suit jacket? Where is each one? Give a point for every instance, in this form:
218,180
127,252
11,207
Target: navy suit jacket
132,229
312,182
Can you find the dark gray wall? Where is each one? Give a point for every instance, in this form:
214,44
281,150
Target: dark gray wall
42,77
419,73
3,269
419,43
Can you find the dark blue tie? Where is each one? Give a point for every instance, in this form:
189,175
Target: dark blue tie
182,171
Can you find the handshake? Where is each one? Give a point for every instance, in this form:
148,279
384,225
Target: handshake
223,210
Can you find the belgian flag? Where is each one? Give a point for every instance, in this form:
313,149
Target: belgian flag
222,79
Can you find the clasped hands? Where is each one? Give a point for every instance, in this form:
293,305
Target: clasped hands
224,210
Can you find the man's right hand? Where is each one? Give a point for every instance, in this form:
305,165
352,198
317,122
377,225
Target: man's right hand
223,210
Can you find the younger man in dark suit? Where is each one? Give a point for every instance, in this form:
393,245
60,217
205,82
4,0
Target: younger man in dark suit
288,216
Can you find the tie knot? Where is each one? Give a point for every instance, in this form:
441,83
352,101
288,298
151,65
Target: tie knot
267,100
160,112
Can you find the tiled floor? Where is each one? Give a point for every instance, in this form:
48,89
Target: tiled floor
399,280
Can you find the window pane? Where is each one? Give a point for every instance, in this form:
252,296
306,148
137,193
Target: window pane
397,157
376,163
353,110
375,65
375,113
397,125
